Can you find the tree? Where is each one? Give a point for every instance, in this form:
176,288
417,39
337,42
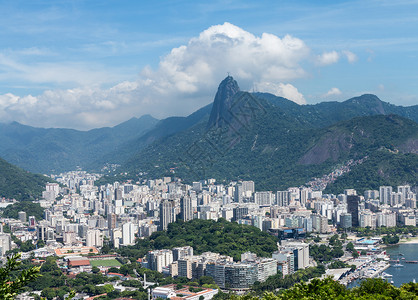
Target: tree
10,286
350,247
49,293
12,281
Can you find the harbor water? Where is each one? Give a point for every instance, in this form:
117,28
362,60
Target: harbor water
409,271
404,274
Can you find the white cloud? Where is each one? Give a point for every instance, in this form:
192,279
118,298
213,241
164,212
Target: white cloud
185,80
328,58
287,91
47,72
351,57
332,92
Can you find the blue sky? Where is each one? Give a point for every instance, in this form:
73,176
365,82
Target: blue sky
86,64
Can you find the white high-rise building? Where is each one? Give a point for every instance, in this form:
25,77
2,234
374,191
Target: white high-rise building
186,208
304,196
248,188
128,234
158,259
404,190
167,214
22,216
263,198
94,238
385,194
5,243
301,251
283,198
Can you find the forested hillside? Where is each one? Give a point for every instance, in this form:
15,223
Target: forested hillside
227,238
20,184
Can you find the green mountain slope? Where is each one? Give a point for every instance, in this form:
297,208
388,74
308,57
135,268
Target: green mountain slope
20,184
162,129
383,168
278,143
274,149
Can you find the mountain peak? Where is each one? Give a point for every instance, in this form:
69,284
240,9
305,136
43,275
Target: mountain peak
369,101
223,101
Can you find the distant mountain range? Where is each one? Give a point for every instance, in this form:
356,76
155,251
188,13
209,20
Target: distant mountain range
53,150
242,135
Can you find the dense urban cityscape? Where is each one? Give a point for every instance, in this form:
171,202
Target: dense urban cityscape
208,150
81,219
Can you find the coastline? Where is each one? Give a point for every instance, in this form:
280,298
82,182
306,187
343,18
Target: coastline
411,240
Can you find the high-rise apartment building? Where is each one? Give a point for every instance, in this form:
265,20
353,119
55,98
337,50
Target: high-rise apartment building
22,216
385,194
283,198
128,234
352,208
167,215
186,208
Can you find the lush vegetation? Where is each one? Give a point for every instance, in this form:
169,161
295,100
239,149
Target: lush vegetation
381,168
13,279
31,209
278,150
227,238
326,289
390,239
337,264
325,253
54,283
277,281
19,184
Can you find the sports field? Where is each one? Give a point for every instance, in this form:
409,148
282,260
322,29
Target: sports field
105,263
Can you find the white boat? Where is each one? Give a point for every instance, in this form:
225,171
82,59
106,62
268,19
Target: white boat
386,275
398,266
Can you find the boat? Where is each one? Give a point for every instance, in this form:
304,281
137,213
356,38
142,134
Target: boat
398,265
386,275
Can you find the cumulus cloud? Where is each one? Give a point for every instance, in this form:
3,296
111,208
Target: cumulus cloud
332,57
351,57
287,91
332,92
185,79
328,58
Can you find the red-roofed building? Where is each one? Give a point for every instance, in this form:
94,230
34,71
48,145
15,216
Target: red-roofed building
110,274
78,262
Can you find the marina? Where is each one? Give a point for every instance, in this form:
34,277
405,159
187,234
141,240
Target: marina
396,264
409,271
